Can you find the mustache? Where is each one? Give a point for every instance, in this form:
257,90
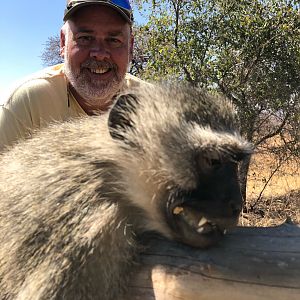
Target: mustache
94,64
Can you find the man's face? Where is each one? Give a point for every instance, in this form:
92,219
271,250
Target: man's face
97,46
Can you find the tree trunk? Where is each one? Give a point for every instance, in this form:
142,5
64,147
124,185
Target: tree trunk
249,264
243,173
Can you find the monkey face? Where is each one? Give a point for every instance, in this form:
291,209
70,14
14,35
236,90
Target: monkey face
184,166
199,217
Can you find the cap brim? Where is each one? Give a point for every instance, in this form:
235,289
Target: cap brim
72,10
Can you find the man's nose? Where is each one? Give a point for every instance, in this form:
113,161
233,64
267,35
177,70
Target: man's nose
99,51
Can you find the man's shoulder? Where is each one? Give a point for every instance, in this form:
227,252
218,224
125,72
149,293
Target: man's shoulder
35,83
49,72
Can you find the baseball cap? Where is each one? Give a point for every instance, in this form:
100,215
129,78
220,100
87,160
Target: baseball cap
121,6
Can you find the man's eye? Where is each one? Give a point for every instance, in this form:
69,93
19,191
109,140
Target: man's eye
115,41
84,40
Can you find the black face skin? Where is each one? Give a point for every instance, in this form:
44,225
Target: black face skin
217,198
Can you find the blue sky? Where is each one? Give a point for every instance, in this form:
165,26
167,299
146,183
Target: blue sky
24,29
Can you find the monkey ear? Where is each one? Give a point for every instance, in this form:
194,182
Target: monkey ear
119,120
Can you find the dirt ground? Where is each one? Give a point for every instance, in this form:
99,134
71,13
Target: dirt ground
280,199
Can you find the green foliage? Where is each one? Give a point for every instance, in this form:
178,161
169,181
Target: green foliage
246,49
249,50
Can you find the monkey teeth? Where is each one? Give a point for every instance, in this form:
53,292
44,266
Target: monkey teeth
191,217
202,221
200,229
177,210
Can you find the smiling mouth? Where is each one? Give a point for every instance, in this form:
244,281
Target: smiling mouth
100,71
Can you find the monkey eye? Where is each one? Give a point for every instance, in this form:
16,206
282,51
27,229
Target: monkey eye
215,163
208,163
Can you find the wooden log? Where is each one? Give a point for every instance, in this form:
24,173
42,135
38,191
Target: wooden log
248,264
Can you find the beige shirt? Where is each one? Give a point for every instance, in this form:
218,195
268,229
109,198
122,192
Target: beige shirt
39,100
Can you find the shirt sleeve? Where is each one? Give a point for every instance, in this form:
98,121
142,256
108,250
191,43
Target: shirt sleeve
12,128
31,106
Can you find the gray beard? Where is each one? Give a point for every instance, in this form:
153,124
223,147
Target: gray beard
98,91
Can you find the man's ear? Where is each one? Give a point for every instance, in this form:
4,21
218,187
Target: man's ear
62,43
119,120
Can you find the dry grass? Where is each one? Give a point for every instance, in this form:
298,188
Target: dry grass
280,199
272,211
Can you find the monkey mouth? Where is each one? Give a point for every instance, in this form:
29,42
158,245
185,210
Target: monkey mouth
196,220
196,229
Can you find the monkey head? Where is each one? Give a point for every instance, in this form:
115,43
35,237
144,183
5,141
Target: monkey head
182,149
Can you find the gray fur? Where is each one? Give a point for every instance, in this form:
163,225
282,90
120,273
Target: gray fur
74,199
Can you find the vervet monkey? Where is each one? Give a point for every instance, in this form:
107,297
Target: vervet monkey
76,196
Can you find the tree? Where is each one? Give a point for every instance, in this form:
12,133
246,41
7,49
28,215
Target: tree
247,50
51,54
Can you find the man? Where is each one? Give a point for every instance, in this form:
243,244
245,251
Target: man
96,44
